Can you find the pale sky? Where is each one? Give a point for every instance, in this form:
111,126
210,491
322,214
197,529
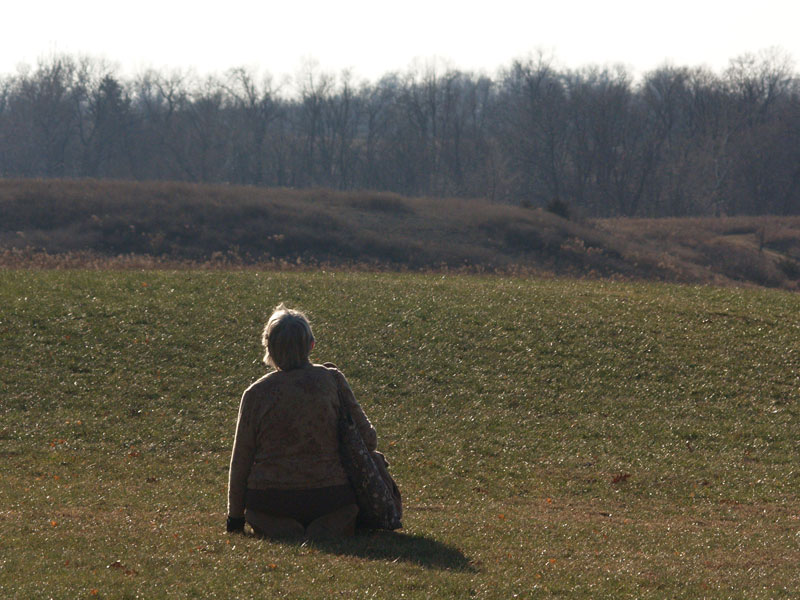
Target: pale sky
373,38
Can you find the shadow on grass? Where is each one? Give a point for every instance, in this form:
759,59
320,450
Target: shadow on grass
399,547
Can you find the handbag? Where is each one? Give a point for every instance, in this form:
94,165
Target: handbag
378,497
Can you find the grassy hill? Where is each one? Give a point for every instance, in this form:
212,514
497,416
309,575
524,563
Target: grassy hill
552,438
106,223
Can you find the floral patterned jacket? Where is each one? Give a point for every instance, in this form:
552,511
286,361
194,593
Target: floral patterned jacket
287,436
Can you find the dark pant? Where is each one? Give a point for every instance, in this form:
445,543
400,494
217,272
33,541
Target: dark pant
301,505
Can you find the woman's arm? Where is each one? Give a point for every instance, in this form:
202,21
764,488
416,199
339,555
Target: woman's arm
241,459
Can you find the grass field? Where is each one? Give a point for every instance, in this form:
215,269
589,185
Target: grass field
552,438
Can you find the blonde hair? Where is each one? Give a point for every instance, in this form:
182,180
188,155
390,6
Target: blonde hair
287,339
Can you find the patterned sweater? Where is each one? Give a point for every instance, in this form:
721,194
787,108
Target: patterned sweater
287,436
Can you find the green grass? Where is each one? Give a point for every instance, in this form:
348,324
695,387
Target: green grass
551,438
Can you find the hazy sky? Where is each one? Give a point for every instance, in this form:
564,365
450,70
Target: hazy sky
373,38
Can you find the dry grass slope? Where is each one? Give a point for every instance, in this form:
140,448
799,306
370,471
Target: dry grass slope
97,224
760,250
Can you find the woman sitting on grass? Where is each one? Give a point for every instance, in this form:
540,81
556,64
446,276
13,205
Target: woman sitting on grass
286,477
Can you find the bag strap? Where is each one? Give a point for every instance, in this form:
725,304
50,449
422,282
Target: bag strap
343,410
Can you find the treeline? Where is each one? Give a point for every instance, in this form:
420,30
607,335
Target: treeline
595,141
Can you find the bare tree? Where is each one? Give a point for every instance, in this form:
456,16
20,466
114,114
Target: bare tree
254,109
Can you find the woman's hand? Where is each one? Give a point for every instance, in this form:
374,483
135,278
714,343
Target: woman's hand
235,525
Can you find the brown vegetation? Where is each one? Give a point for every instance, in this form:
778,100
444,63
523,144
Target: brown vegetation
760,250
102,224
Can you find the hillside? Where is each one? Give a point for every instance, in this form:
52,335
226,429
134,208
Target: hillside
112,223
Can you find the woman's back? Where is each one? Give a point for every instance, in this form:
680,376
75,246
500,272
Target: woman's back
287,436
293,416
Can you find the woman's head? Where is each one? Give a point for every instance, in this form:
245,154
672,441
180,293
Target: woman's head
287,339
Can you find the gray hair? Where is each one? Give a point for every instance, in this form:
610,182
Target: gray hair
287,339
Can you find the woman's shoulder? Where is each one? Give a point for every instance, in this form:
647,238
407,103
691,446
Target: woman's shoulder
263,386
332,369
263,383
275,377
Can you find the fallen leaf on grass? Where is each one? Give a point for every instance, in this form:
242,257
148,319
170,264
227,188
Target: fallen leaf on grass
620,478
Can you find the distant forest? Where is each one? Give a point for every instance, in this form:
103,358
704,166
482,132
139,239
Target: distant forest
593,141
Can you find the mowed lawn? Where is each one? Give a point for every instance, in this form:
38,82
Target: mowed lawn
553,438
